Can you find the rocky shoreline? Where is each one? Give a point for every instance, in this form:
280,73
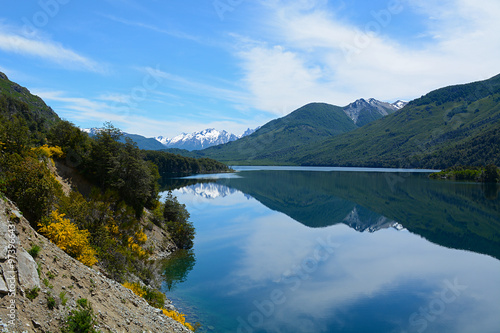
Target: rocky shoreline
62,281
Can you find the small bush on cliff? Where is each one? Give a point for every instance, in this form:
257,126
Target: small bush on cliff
34,251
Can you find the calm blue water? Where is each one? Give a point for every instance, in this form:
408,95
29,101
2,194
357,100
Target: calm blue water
301,250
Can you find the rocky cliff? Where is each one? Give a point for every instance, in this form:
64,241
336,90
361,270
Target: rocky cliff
37,294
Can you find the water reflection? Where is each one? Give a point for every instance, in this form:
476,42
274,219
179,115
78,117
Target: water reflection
456,215
177,267
354,262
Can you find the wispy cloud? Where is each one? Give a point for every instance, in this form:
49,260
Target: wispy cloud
310,54
47,50
172,33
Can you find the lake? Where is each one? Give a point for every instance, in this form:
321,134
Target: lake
338,250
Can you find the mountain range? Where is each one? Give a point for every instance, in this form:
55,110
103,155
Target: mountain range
278,141
361,112
450,126
194,141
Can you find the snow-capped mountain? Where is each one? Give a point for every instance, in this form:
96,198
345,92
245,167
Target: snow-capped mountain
200,140
363,111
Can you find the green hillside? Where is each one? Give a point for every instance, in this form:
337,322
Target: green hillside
280,139
18,104
450,126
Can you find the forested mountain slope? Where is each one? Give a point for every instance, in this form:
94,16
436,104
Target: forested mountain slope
449,126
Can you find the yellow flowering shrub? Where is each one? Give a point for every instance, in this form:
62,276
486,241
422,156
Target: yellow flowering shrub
143,292
136,288
113,229
179,317
136,248
141,237
69,238
50,151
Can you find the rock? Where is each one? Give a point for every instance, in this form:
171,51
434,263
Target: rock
4,289
27,271
36,324
170,307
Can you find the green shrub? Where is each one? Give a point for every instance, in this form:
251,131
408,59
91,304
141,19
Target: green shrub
34,251
51,303
64,299
491,174
81,320
32,293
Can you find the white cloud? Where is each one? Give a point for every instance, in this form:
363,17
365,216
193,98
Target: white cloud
310,54
46,49
280,80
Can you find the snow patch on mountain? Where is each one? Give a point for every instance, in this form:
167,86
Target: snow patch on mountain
399,104
354,109
91,131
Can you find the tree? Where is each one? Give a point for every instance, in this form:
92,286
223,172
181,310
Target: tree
491,174
14,135
29,183
176,220
173,210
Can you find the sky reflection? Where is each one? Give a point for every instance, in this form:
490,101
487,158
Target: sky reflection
265,272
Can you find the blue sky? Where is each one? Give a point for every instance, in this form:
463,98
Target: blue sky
157,67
